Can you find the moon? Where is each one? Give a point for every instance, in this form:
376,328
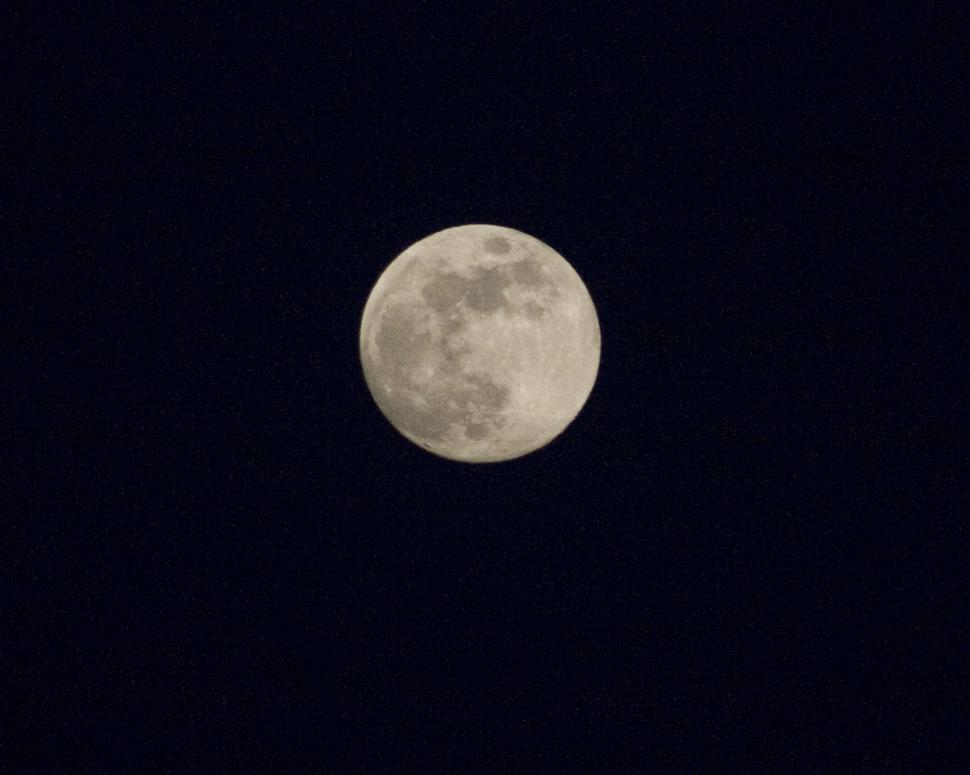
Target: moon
480,343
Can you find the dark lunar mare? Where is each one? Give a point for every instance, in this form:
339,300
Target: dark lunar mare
473,402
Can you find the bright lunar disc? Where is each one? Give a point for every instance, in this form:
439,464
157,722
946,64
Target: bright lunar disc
480,343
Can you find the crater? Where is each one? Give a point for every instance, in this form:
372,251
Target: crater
497,245
424,423
466,404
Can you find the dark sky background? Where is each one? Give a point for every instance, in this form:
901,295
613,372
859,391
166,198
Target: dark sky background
226,554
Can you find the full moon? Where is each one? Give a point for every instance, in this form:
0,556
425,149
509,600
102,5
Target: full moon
480,343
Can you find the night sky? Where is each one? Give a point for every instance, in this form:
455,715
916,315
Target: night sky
229,561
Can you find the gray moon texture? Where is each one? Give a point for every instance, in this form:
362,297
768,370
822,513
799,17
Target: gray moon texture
480,343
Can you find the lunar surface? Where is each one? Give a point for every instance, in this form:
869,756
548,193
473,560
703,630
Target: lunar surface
480,343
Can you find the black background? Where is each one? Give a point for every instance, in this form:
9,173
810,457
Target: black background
736,553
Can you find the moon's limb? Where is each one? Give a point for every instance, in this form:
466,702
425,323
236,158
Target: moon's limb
480,343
